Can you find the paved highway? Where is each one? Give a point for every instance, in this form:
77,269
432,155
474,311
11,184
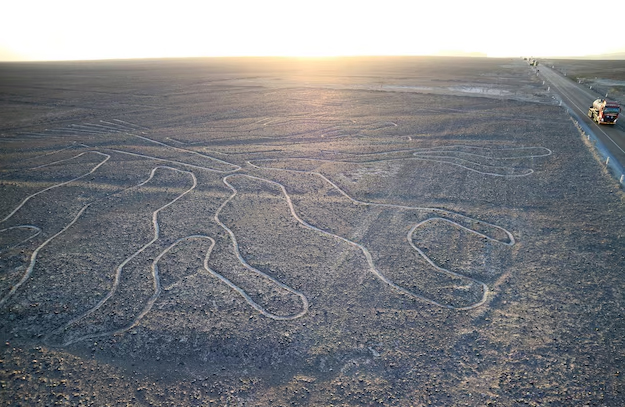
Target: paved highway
579,98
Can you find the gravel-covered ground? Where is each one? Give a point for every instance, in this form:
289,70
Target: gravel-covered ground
278,232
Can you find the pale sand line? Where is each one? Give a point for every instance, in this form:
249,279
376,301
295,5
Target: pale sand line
120,267
445,159
530,171
447,149
88,128
367,254
182,143
33,258
118,126
253,269
77,129
64,160
100,127
304,119
493,174
548,153
241,292
131,124
32,227
248,152
446,271
24,137
59,184
170,161
111,129
403,207
47,154
53,152
380,125
190,151
150,303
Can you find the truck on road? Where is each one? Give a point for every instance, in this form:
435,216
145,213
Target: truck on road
604,112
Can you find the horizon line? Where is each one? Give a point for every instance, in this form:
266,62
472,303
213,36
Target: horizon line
451,54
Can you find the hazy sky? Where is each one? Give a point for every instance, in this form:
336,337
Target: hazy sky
84,29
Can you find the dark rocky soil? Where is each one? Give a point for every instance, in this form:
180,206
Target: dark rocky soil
344,232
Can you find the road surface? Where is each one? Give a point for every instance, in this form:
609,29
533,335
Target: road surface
579,98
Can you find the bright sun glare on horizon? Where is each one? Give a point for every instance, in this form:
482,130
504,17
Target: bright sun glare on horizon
72,29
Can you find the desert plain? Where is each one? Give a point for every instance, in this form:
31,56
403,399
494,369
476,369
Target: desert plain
303,232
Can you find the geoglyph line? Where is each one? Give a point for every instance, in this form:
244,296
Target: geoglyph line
156,278
118,126
417,158
131,124
434,154
372,267
88,129
77,131
509,235
74,145
150,303
32,227
190,151
446,148
169,161
446,271
54,152
61,161
120,267
107,128
440,160
33,257
452,149
107,157
235,245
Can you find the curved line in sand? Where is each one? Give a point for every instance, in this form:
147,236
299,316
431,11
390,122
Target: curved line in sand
32,227
107,157
120,267
377,273
235,245
33,257
509,235
369,258
190,151
165,160
150,303
530,171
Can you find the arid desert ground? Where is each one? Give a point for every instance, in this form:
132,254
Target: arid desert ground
303,232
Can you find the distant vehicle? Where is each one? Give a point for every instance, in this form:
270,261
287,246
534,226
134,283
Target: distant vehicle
604,112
